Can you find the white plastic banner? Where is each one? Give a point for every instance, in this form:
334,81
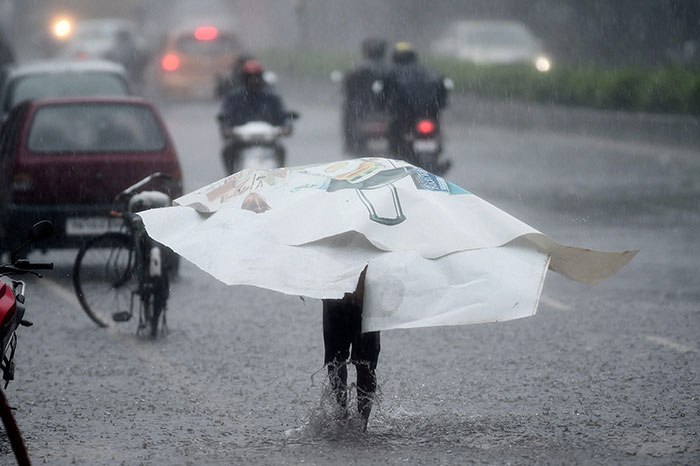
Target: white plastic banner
437,254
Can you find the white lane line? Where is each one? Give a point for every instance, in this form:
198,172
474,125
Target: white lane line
67,296
667,342
554,304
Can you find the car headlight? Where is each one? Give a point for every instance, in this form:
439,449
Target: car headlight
61,28
543,64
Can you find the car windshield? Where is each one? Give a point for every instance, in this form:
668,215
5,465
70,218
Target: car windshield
221,44
95,128
71,84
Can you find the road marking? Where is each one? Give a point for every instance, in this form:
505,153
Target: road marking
553,303
667,342
67,296
174,372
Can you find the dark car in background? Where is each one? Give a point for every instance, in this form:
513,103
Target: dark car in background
62,79
70,157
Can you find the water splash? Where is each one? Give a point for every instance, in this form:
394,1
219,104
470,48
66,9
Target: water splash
328,420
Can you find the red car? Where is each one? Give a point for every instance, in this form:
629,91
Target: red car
66,159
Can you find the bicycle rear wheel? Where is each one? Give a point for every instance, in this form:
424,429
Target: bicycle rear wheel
105,276
155,307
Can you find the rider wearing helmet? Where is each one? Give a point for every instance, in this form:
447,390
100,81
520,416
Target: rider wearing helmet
413,91
225,83
360,100
252,101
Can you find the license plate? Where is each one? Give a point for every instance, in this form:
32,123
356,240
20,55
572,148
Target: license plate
85,226
425,145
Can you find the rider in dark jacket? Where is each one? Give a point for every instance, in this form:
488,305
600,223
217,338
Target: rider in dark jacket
253,101
360,99
413,91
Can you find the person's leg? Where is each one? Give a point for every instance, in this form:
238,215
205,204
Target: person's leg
365,356
336,340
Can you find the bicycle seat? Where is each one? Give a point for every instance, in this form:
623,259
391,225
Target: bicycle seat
148,200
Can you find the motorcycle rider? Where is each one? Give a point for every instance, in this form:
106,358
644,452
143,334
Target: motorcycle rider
360,100
224,84
252,101
413,91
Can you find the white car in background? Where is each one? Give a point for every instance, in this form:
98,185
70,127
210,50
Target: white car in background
491,42
58,78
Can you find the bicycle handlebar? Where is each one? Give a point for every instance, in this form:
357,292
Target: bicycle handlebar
24,266
34,265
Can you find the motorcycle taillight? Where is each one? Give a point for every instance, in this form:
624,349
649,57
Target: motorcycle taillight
425,127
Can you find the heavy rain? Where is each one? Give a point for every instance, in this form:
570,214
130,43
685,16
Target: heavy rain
579,119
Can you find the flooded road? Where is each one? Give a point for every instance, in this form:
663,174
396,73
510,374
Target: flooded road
602,375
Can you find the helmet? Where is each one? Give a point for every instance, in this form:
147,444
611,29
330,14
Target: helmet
251,67
404,53
373,48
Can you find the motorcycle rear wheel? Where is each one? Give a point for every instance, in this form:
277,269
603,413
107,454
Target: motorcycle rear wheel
105,276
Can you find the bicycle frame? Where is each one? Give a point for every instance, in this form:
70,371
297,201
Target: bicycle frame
147,268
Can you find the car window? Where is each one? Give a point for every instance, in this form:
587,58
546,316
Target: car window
65,85
223,43
95,128
498,36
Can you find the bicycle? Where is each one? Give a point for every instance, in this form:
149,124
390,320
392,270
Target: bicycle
113,269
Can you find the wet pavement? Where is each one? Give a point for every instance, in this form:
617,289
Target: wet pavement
601,375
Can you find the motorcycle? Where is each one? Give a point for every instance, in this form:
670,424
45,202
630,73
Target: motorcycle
420,141
421,144
366,121
255,144
12,313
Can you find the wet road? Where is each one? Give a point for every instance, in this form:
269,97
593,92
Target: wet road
603,375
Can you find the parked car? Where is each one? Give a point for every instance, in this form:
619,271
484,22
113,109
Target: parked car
491,42
113,39
193,58
69,157
62,79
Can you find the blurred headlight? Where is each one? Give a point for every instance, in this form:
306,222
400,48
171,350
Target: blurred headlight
62,28
543,64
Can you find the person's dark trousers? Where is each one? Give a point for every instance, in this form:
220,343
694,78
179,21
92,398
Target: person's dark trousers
342,329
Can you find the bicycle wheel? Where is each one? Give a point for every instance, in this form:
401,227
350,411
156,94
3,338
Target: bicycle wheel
155,307
105,277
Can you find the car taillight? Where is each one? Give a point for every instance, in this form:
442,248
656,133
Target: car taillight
425,127
176,175
206,33
170,62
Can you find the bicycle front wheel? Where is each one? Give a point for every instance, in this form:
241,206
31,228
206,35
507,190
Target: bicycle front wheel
105,277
